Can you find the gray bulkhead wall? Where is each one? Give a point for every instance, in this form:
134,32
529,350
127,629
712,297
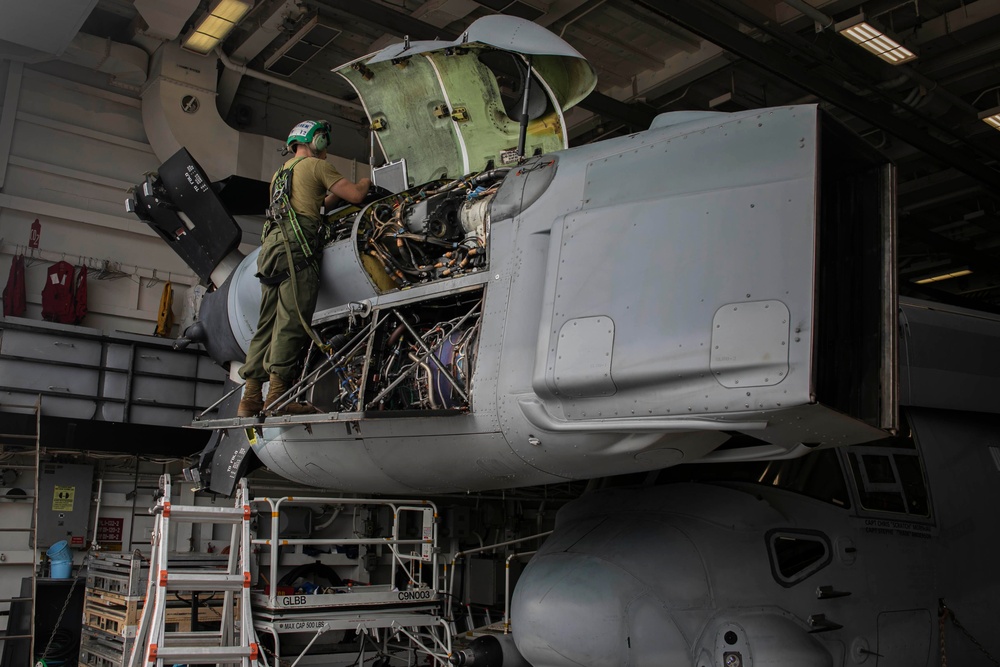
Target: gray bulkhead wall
72,149
71,144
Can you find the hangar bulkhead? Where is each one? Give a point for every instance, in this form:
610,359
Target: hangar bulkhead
645,333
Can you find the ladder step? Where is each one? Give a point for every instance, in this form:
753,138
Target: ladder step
192,639
187,581
201,654
213,647
196,513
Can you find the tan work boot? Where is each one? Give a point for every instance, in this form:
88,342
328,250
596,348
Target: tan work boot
253,400
277,388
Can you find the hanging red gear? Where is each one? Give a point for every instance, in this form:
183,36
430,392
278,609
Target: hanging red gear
57,295
15,299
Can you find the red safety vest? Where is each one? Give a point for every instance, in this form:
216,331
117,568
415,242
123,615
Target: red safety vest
15,299
57,295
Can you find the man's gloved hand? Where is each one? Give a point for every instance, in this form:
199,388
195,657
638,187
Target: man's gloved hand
375,193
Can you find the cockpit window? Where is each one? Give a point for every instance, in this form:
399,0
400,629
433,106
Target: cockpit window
797,554
889,476
817,475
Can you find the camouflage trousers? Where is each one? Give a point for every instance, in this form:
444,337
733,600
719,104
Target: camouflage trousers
280,338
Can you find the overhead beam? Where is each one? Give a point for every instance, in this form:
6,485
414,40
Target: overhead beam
691,16
390,20
684,40
611,44
936,294
636,116
981,263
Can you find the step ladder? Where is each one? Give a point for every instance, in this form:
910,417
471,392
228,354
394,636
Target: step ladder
235,642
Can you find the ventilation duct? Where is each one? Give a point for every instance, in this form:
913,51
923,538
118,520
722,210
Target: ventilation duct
126,64
37,31
165,18
178,110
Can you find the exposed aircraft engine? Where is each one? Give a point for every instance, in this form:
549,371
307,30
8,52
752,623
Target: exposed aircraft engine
438,231
411,358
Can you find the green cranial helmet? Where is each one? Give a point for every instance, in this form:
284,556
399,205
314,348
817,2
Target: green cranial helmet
313,133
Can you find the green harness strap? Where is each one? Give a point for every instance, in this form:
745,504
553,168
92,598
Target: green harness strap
280,209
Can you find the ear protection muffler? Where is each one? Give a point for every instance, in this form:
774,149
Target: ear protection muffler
315,134
320,140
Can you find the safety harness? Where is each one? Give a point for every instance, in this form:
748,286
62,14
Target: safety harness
280,210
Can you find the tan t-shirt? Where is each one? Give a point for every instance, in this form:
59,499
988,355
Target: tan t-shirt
312,179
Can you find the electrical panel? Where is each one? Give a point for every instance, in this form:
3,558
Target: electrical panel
64,492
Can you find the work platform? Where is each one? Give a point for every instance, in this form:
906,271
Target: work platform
403,615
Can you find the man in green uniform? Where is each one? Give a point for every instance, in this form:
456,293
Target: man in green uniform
288,295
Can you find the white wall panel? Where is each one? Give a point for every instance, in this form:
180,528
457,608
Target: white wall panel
75,150
35,182
82,106
79,148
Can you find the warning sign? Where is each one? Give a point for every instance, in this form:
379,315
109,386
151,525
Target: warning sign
62,498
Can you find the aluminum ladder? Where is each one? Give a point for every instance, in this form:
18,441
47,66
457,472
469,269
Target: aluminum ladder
235,641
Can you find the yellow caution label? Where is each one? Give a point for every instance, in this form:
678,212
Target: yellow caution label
62,498
252,435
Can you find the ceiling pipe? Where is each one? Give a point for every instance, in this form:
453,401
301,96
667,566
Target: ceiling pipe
580,16
264,33
818,17
243,69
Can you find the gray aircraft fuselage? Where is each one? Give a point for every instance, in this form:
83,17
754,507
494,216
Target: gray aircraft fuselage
873,554
644,297
499,320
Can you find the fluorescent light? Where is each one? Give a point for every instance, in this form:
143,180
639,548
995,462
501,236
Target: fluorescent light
869,37
943,276
991,117
216,25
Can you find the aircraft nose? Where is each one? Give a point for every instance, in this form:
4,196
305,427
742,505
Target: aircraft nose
584,609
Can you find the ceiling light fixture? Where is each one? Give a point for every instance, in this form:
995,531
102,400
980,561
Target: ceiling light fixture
943,276
868,36
216,25
991,117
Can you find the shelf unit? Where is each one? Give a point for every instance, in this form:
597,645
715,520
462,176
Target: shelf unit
116,589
